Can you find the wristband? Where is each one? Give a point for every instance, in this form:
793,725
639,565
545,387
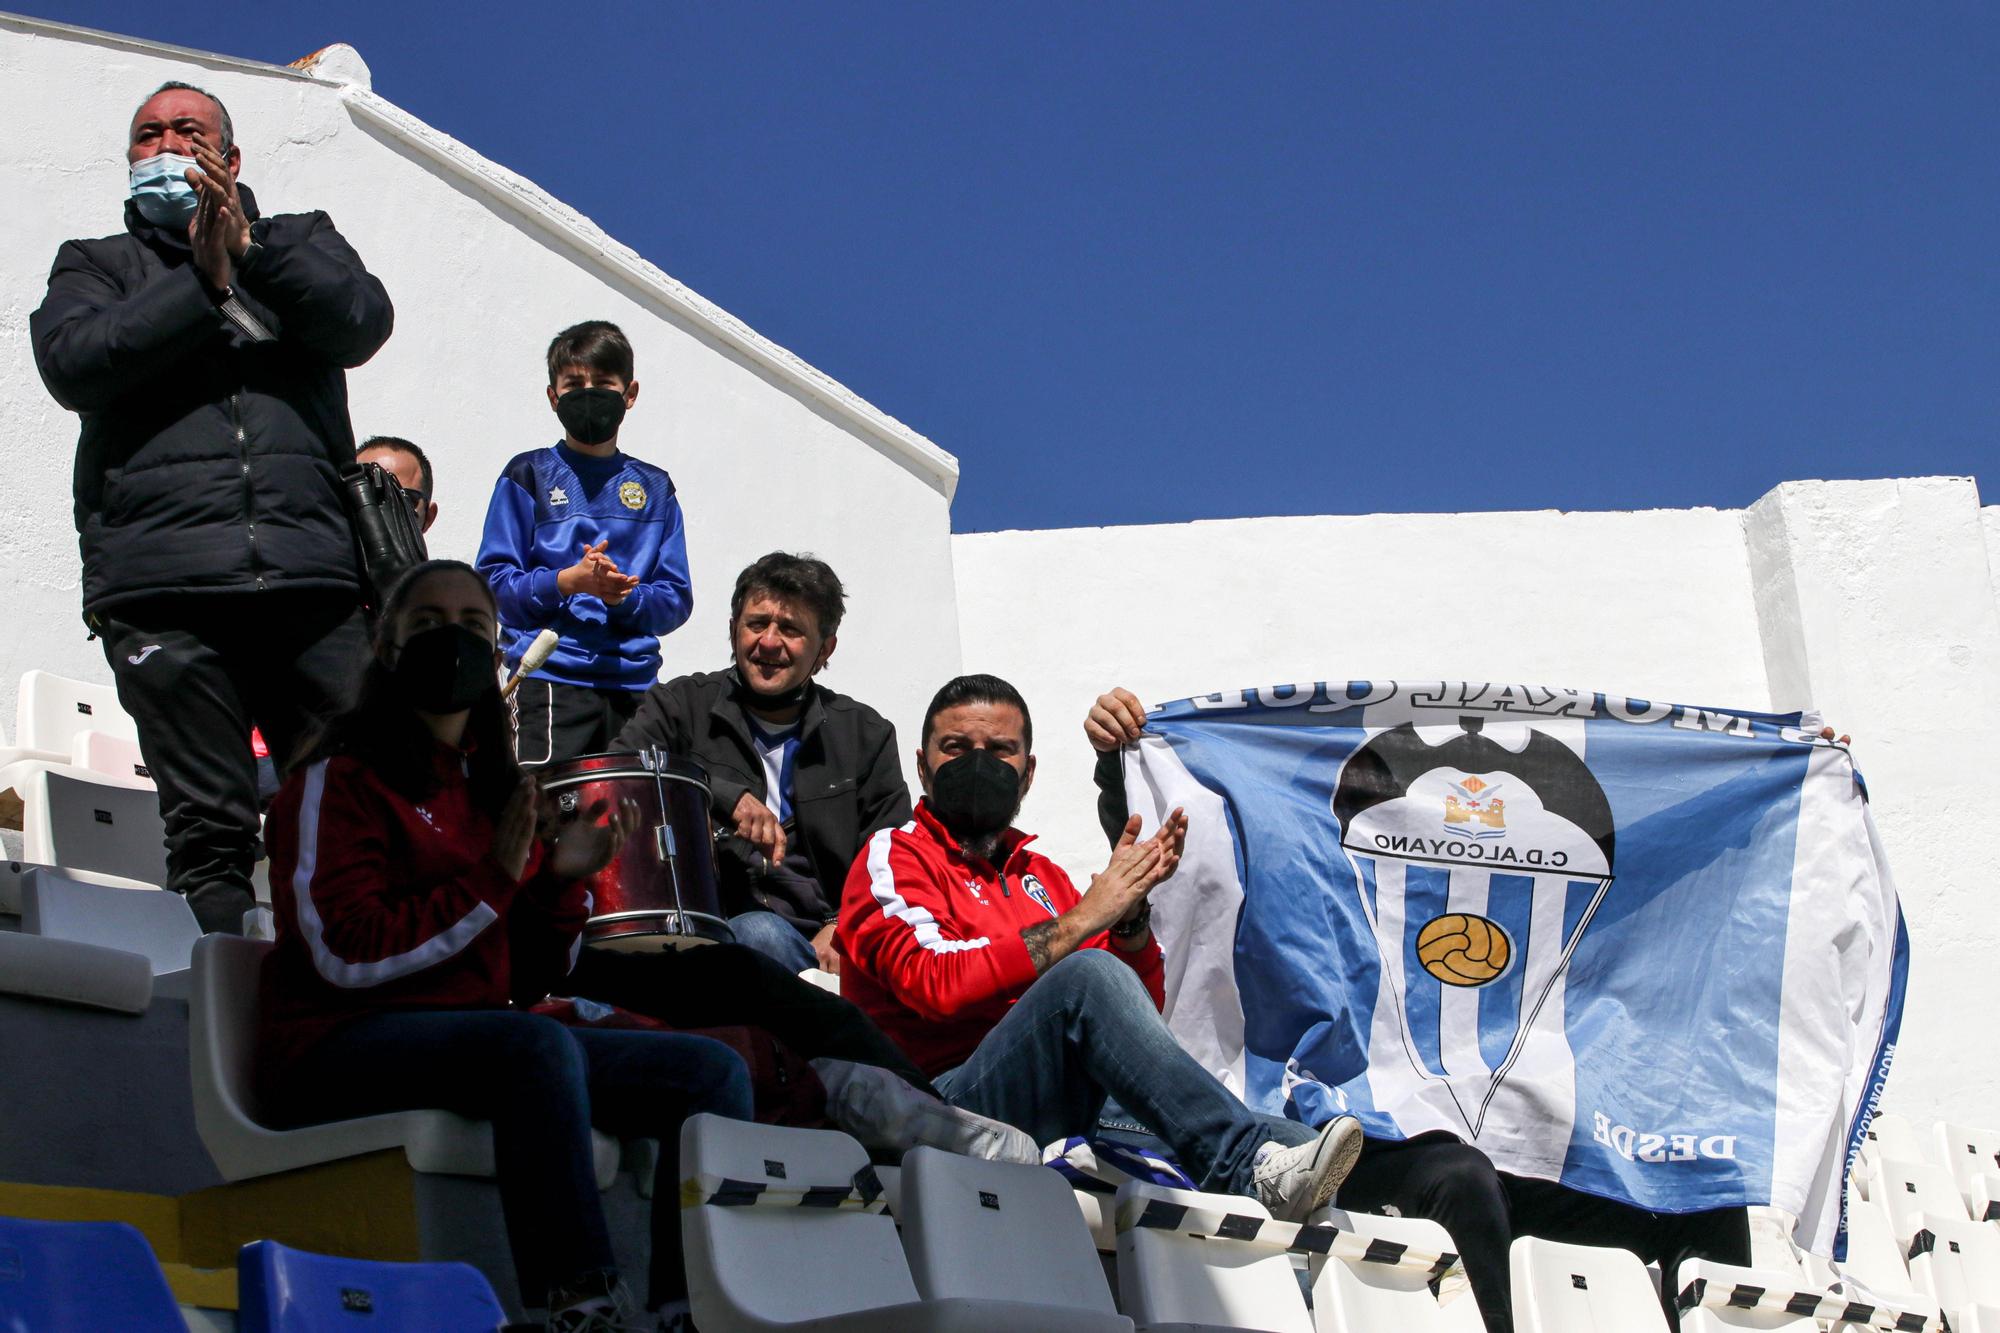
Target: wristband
1133,928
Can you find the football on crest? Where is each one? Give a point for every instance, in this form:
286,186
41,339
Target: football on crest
1460,949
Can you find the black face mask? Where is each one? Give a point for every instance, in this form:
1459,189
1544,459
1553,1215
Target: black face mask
591,416
975,794
445,669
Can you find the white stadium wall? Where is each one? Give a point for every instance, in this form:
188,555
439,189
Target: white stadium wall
484,269
1877,603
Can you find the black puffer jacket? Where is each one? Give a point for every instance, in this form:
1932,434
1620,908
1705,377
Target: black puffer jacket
208,460
846,784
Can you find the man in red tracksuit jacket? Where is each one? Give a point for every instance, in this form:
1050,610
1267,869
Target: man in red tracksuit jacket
1031,1003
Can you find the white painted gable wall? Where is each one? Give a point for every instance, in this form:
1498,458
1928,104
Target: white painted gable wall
1878,602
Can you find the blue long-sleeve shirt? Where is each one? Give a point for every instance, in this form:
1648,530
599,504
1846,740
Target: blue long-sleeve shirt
548,505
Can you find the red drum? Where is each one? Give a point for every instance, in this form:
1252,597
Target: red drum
659,892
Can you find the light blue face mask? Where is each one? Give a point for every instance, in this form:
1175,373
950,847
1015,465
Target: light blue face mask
160,189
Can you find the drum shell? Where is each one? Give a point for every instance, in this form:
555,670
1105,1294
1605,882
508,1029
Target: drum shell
660,891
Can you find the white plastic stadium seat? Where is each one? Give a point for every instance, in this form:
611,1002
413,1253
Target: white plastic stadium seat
87,821
11,754
70,972
1717,1297
757,1259
1982,1200
1001,1231
158,926
1581,1289
50,710
110,754
1973,1158
1912,1189
1171,1280
1355,1297
1772,1249
1888,1135
14,874
1874,1259
1957,1264
222,1029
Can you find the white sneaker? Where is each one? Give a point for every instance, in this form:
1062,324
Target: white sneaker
886,1113
1296,1182
613,1312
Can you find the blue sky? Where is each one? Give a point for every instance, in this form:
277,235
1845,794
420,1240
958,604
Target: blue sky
1154,262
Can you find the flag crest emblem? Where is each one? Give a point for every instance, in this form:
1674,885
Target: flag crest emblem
1451,906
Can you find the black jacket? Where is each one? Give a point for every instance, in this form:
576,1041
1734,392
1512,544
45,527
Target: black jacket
846,784
1113,809
207,460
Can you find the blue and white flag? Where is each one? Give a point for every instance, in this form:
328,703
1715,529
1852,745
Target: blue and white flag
1647,950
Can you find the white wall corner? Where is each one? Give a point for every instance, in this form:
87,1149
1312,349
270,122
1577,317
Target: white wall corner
1990,521
1774,591
338,63
1897,640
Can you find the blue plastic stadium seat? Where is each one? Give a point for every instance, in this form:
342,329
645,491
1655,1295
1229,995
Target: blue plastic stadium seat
282,1290
82,1277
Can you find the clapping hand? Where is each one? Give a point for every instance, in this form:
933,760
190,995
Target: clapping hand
1135,868
220,230
515,831
598,575
584,846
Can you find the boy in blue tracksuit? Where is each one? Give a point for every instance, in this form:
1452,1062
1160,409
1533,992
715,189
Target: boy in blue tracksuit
586,541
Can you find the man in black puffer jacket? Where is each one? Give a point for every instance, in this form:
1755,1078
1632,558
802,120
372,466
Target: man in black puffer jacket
205,352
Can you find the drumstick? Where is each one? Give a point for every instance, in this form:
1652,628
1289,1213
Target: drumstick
538,653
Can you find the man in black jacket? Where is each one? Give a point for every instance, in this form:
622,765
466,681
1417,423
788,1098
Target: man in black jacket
204,350
799,776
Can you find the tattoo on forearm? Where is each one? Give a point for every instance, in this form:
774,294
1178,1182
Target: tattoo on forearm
1039,937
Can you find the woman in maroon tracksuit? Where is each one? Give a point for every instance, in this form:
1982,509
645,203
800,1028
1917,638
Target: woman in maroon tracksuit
419,905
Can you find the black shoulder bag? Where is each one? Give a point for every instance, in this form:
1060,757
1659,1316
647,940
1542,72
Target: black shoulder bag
386,534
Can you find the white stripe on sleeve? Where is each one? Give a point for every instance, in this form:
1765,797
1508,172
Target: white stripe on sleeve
331,966
882,882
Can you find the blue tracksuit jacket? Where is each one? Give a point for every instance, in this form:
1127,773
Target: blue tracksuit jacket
548,505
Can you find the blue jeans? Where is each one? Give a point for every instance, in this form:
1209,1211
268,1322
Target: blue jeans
1086,1030
774,937
543,1085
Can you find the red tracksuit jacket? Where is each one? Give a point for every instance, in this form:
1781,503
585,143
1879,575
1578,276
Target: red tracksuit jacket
930,939
386,904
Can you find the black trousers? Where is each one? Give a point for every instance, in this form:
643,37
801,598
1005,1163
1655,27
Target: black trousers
543,1086
196,673
727,985
554,722
1455,1185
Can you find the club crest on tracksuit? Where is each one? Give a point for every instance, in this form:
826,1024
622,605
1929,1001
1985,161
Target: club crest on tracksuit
1033,888
1479,867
